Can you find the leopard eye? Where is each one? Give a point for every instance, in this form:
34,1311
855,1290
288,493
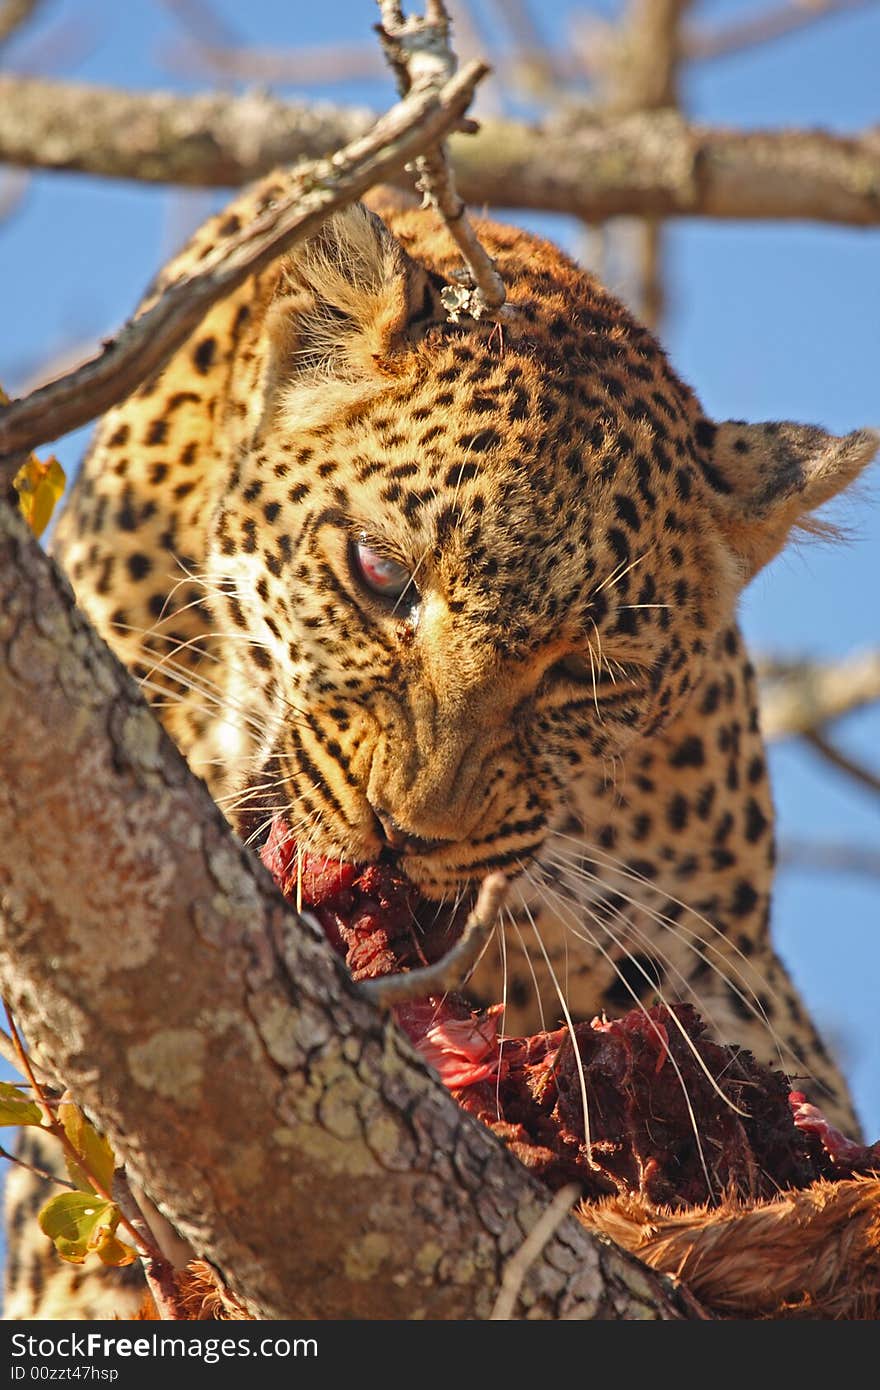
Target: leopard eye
576,667
607,677
377,572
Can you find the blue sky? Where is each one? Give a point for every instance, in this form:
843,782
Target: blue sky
765,321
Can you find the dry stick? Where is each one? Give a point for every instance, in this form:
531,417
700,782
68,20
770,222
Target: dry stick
9,1051
146,342
201,53
519,1264
158,1272
204,23
419,53
177,1251
23,1062
13,14
829,858
448,973
704,43
828,749
34,1168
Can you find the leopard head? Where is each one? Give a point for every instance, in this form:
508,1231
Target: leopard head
471,563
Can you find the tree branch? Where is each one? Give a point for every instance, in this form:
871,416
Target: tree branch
14,14
287,1130
639,165
421,58
824,858
639,72
147,341
799,698
829,750
702,44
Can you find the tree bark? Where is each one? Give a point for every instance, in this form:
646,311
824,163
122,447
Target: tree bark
281,1123
648,164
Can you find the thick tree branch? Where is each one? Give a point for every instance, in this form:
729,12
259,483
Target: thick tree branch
286,1128
642,58
796,699
147,341
639,72
640,165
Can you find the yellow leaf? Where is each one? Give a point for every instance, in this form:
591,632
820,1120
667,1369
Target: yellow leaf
39,486
112,1251
17,1108
98,1158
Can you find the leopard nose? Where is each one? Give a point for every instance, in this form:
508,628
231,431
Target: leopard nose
397,838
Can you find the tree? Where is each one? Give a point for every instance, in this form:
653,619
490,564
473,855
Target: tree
640,158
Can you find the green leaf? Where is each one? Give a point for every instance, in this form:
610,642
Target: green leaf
98,1158
16,1107
81,1224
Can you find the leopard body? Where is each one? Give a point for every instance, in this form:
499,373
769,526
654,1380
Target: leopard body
561,689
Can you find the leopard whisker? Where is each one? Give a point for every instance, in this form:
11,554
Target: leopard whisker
587,935
591,940
568,1019
528,959
728,971
615,577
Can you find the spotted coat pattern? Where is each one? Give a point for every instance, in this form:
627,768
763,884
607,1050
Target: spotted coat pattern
561,690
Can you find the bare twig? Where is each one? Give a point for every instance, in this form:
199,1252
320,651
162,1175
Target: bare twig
26,1067
420,56
36,1169
828,749
158,1271
202,21
450,972
14,184
147,341
14,14
520,1262
177,1251
517,16
9,1051
807,696
776,23
311,65
829,858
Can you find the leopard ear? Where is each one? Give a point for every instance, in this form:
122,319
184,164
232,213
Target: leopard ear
768,478
347,302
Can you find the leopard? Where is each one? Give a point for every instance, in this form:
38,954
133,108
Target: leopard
459,592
